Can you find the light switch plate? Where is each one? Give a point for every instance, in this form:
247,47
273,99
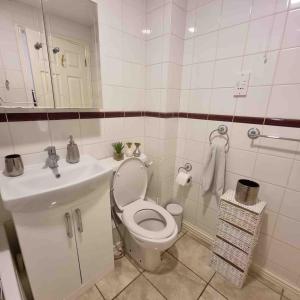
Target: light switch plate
242,84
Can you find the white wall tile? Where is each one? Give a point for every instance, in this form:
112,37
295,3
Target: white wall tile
294,177
205,47
30,136
292,32
263,8
291,256
111,71
6,146
195,129
272,169
261,67
199,101
111,13
284,102
60,130
223,102
288,70
240,162
265,34
207,18
202,75
272,194
155,22
291,205
91,131
232,41
188,51
235,11
255,103
287,230
227,71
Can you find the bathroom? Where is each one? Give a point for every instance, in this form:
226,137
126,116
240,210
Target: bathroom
177,79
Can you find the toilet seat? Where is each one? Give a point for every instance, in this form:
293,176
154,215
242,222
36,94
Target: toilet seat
139,205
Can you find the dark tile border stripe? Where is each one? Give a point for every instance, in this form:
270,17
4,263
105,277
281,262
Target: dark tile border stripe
43,116
21,117
283,122
250,120
92,115
63,116
3,118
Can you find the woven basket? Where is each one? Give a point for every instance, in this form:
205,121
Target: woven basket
239,217
236,256
228,271
235,236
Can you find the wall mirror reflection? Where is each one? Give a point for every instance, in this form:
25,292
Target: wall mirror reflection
49,55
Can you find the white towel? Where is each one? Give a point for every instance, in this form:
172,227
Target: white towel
213,175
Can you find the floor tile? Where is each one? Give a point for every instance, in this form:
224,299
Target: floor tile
194,255
140,288
211,294
253,289
91,294
175,281
117,280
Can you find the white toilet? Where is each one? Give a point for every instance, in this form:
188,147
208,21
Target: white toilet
149,228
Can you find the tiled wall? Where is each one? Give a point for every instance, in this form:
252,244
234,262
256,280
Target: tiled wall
223,38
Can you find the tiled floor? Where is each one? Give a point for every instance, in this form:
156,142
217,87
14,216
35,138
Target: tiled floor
184,274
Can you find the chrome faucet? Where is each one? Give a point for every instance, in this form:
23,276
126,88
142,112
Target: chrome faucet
52,160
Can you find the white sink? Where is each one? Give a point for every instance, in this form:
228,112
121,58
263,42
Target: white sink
38,188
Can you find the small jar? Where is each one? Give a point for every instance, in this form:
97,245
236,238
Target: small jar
137,151
129,150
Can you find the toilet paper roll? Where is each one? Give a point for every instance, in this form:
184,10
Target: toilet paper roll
183,178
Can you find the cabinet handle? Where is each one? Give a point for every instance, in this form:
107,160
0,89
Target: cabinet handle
79,220
68,225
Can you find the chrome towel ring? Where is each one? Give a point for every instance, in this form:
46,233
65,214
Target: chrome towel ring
222,130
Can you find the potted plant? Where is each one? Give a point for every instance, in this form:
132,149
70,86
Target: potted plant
118,150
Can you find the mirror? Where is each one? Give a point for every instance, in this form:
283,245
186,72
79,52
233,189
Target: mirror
49,54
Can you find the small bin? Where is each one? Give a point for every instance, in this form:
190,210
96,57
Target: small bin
246,192
176,211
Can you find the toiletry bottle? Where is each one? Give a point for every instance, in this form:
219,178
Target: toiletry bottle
73,155
137,151
129,150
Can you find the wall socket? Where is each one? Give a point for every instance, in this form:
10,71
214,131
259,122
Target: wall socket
242,84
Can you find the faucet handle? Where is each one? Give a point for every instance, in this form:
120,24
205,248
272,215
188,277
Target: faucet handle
51,150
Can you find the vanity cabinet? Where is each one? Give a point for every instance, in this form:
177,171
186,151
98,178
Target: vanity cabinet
67,247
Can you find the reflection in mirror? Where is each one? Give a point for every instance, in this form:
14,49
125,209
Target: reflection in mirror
72,33
24,67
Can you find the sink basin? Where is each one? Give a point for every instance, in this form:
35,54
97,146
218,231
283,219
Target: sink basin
38,188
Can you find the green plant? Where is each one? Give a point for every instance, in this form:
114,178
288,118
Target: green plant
118,147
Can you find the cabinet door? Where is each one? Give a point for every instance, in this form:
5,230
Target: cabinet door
94,236
50,255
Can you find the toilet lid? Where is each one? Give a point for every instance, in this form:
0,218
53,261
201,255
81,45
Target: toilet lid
130,182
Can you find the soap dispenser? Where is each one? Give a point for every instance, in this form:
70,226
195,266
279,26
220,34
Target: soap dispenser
73,155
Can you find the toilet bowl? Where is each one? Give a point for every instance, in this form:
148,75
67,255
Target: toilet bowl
149,228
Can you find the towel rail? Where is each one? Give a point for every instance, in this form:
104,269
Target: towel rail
254,133
222,130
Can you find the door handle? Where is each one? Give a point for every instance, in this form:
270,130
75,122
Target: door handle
79,220
68,225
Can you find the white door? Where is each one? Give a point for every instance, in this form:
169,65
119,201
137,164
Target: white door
71,72
40,68
50,255
94,236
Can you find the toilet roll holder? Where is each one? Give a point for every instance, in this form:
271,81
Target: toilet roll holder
187,167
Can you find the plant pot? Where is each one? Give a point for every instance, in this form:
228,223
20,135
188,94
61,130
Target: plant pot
118,156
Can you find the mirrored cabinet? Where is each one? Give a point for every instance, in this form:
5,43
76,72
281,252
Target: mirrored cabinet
49,54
